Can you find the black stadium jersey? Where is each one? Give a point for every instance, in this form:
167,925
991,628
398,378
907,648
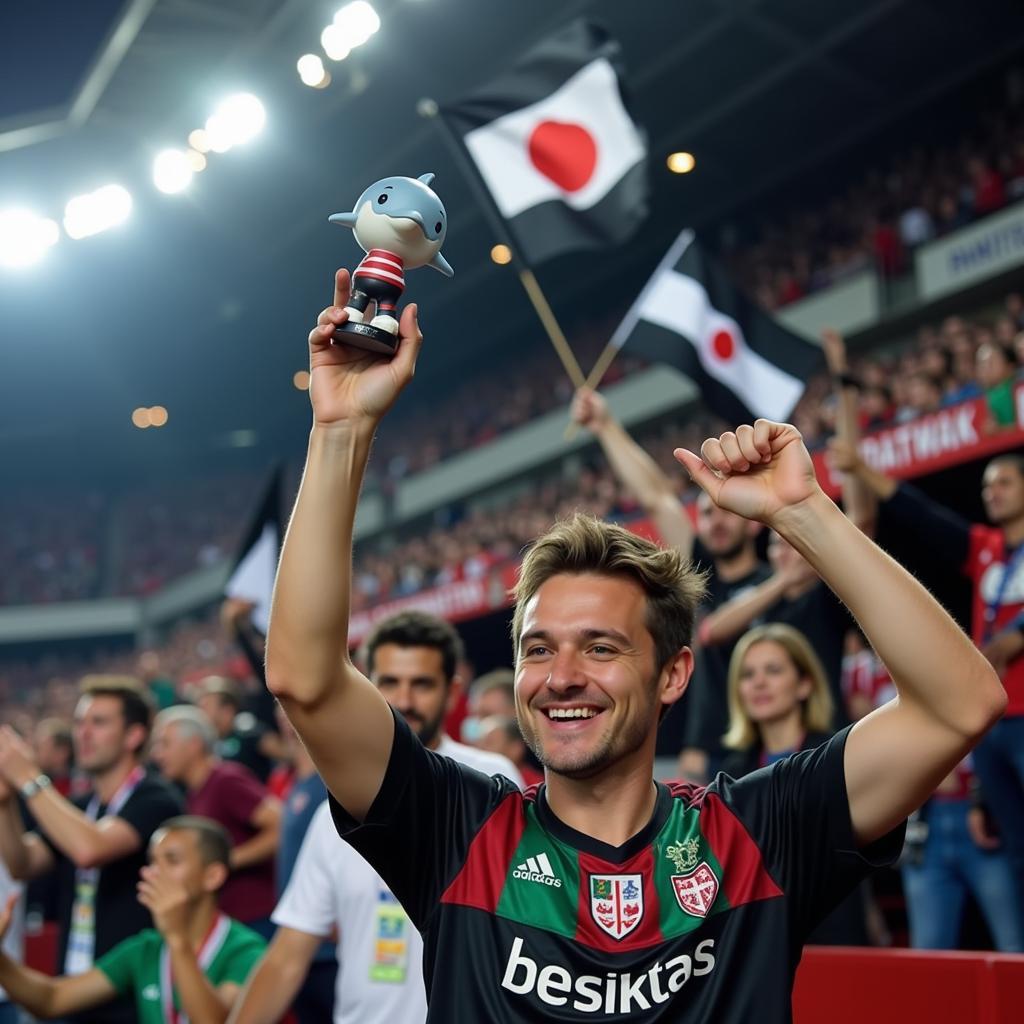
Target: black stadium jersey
701,916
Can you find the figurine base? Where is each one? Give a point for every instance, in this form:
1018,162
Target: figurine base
367,337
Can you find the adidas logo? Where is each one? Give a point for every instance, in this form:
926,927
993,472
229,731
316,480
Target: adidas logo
537,869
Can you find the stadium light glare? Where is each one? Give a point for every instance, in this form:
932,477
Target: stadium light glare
196,160
140,418
501,254
335,42
157,416
198,141
25,237
301,380
239,119
312,71
97,211
358,21
172,171
681,163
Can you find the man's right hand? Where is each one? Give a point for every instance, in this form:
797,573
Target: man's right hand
348,385
590,410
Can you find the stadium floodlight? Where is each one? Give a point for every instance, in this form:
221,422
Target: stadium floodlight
312,71
97,211
236,121
198,141
196,160
357,21
25,237
157,416
681,163
172,171
335,42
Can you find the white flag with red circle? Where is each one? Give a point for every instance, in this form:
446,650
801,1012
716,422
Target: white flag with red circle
558,151
691,316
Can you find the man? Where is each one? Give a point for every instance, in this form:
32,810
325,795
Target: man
412,658
314,1001
95,843
500,735
493,693
723,543
992,558
681,903
183,750
190,967
240,735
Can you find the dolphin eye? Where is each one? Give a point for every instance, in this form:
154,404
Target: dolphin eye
438,226
382,198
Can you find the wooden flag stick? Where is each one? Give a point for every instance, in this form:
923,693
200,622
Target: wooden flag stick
428,108
604,360
551,325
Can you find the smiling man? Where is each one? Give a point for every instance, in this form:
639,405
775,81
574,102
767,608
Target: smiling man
603,895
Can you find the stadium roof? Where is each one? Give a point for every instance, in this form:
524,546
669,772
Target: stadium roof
202,301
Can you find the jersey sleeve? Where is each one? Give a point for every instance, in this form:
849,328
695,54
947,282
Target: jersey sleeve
417,833
303,905
123,964
798,813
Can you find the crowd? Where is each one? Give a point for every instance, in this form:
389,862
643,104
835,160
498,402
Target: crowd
924,192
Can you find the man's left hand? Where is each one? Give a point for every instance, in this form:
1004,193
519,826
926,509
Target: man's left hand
757,471
166,900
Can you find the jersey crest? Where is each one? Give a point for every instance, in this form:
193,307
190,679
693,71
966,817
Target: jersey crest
617,903
696,891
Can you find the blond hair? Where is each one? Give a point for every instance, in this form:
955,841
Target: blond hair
815,711
583,544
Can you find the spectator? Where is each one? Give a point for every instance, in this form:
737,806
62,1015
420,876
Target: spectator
240,735
96,842
952,852
500,734
412,658
997,371
54,752
494,693
13,942
992,557
183,747
191,966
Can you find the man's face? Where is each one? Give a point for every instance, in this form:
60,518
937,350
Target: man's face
51,756
175,854
493,702
221,713
724,534
1002,492
588,693
413,682
100,736
173,753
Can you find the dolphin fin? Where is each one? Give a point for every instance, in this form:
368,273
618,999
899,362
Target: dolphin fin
440,263
426,178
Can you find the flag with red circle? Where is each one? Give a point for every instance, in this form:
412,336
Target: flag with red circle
691,316
558,151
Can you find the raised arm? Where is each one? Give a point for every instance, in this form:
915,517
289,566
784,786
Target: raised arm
344,722
948,694
636,470
87,843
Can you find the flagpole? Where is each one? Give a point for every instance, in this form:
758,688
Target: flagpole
428,108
